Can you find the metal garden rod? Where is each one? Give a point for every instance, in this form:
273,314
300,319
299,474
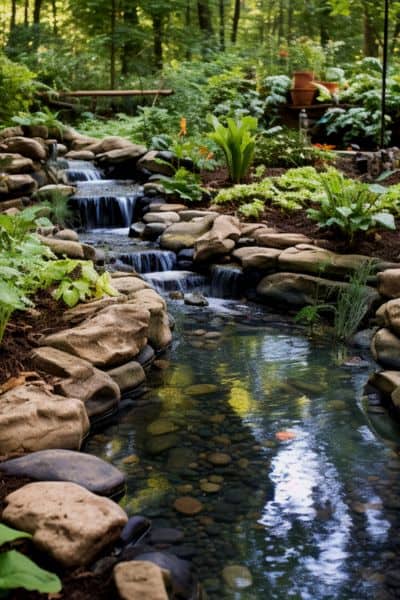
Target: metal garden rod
384,70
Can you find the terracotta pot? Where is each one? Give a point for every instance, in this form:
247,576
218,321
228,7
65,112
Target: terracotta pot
303,80
332,86
302,97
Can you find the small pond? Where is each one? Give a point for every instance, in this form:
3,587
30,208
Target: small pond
309,495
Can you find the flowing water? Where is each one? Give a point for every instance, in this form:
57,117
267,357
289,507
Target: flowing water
298,481
106,204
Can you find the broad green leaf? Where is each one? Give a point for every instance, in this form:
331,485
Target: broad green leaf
386,220
18,571
7,534
71,296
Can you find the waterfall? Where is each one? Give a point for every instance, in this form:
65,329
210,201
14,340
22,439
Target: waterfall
81,170
106,204
182,281
149,261
226,282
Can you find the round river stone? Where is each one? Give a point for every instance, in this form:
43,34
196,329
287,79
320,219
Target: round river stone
188,505
219,458
161,426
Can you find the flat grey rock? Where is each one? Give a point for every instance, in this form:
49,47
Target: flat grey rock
90,472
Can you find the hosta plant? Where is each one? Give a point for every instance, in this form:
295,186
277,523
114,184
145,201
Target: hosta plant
351,207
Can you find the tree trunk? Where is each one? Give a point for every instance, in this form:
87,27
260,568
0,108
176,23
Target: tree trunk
289,34
235,24
222,25
324,19
158,40
37,7
131,47
188,24
54,14
26,13
113,49
370,44
281,22
205,20
13,18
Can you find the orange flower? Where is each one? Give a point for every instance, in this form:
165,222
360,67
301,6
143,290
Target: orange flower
183,125
205,152
285,436
326,147
283,53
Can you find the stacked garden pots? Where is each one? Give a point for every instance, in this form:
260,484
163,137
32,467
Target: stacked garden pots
303,90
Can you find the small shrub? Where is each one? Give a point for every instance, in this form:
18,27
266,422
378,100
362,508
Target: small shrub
252,209
184,185
278,147
237,144
350,207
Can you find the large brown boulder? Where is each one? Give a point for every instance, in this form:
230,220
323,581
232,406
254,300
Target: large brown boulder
254,257
33,418
18,185
129,154
305,258
386,381
159,332
128,376
388,315
389,283
129,285
15,163
298,290
111,337
25,146
385,349
8,132
275,239
79,379
66,521
184,235
220,240
63,247
110,143
140,580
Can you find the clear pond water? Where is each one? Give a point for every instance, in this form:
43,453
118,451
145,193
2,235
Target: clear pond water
309,499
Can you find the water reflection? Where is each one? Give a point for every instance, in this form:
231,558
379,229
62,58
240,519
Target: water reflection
302,501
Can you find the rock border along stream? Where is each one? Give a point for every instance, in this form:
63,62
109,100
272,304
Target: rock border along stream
107,344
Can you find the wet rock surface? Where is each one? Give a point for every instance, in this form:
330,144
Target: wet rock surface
88,471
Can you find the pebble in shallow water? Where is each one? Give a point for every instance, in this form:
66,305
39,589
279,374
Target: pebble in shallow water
237,577
219,458
186,505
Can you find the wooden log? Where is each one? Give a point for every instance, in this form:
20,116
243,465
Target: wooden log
115,93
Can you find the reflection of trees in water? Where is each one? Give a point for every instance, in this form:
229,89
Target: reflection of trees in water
266,382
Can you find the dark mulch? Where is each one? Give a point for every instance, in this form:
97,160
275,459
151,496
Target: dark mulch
78,584
392,179
23,333
382,243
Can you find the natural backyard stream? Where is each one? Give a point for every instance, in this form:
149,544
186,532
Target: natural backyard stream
294,478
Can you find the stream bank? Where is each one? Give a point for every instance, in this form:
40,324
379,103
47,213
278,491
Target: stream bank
179,439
